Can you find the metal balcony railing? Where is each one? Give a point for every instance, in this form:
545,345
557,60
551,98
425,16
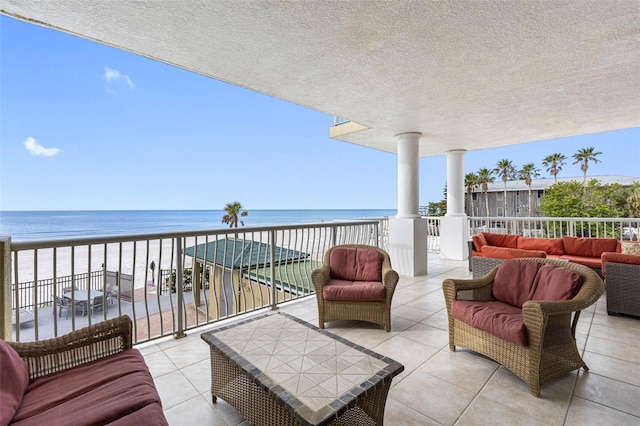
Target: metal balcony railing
151,277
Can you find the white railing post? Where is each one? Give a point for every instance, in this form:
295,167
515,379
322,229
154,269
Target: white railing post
180,283
334,232
273,296
5,294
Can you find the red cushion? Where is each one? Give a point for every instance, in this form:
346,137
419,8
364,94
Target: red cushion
478,242
591,262
94,393
589,247
354,291
629,259
556,283
509,253
548,245
514,282
501,240
497,318
355,264
14,379
148,415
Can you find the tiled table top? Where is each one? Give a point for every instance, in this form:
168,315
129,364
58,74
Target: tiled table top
312,371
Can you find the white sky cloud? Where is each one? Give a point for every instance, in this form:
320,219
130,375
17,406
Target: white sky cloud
35,148
112,75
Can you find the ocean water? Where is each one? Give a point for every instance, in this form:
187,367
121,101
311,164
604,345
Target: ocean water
46,225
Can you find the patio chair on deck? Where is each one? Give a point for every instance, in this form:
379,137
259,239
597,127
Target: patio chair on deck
65,304
97,304
112,293
69,289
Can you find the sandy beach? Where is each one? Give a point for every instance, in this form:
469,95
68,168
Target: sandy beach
135,257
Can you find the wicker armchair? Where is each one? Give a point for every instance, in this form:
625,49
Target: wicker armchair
623,285
551,349
378,312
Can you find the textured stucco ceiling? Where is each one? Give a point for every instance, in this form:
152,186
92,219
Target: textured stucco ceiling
465,74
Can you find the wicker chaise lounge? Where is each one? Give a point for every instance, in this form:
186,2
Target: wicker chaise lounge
547,347
355,282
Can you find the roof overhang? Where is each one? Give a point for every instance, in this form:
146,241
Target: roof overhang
466,74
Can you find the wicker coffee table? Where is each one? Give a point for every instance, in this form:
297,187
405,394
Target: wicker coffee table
279,370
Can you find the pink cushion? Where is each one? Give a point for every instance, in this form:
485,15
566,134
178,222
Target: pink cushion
556,283
497,318
510,253
589,247
354,291
514,282
14,379
98,392
355,264
548,245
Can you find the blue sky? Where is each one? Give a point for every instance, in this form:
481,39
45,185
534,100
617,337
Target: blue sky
89,127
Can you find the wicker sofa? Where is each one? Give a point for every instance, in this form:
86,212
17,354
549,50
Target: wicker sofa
91,376
523,314
355,282
490,249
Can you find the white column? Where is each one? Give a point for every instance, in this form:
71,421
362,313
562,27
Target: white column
455,182
454,228
408,174
408,231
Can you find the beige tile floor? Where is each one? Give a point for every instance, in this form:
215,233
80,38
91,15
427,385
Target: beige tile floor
438,387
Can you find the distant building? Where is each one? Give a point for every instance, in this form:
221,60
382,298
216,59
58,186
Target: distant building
518,195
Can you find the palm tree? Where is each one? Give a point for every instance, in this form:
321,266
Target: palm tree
232,212
506,171
526,173
554,163
470,182
584,156
485,177
632,202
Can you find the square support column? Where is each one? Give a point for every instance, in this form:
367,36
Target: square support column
408,245
454,234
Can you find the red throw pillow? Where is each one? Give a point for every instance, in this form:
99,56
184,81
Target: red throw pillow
556,283
342,263
501,240
589,247
479,241
368,265
514,281
14,379
548,245
355,264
